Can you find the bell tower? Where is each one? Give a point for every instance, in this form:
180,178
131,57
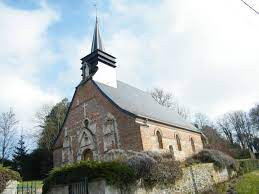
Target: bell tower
99,65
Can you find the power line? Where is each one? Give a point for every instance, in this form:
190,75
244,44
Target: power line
250,6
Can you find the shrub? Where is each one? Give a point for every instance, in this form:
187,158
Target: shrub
115,173
248,165
219,159
155,169
165,174
119,155
121,169
142,165
6,175
239,153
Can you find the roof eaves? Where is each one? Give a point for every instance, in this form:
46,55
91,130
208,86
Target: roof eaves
169,124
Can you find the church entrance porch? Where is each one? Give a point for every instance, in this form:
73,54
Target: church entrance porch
87,155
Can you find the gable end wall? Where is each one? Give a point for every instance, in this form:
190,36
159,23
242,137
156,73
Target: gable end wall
100,107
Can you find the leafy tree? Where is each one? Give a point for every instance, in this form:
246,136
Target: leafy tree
38,164
20,156
51,124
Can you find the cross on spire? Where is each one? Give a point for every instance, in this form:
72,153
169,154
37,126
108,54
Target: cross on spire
96,8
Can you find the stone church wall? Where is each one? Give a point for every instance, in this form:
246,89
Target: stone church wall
150,140
108,128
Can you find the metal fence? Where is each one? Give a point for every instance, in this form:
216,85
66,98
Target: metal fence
79,187
27,188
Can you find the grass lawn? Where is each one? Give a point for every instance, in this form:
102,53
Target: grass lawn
248,183
29,183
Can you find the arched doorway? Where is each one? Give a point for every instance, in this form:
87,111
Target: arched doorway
87,155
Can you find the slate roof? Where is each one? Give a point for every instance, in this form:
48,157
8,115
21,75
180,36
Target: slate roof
142,104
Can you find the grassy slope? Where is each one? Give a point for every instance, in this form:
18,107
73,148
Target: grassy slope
248,183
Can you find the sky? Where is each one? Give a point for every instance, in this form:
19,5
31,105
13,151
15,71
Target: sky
206,52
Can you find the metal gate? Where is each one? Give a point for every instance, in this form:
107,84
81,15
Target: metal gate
79,187
27,188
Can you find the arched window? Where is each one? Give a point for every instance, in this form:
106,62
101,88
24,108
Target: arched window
178,141
87,155
193,145
86,123
159,139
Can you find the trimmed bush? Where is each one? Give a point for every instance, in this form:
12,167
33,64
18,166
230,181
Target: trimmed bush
248,165
115,173
6,175
219,159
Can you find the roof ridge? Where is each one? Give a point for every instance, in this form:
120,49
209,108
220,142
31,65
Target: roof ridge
134,87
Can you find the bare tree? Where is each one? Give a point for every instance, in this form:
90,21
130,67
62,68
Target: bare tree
8,124
201,121
163,98
242,126
244,131
40,118
167,99
182,111
215,140
254,116
225,127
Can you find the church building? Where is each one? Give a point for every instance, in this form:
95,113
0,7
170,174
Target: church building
107,114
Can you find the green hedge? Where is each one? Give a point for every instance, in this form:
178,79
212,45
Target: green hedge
115,173
7,174
248,165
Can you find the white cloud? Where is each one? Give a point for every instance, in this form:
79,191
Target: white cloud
24,98
24,53
205,51
23,37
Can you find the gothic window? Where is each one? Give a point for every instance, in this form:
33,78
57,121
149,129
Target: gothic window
109,134
193,145
159,139
178,141
86,123
108,127
87,155
66,142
